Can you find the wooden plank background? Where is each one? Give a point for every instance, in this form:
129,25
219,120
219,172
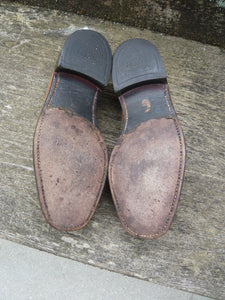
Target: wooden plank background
191,256
201,20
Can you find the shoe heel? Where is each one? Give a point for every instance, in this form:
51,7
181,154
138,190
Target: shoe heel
87,54
136,61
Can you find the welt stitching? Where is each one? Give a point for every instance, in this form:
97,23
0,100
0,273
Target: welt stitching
99,139
167,101
39,166
93,106
38,149
181,153
56,85
98,136
126,114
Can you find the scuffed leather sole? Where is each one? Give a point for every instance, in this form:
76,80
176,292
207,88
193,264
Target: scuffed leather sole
71,166
146,167
145,173
70,157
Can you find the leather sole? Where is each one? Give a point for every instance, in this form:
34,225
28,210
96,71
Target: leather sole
70,156
147,164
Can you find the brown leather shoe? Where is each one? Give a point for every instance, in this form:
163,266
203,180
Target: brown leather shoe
147,164
70,156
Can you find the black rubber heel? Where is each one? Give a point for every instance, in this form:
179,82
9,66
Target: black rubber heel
136,61
87,54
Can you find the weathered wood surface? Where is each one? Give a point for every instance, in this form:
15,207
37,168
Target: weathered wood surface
191,256
201,20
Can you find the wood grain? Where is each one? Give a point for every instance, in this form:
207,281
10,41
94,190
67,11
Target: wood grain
198,20
191,256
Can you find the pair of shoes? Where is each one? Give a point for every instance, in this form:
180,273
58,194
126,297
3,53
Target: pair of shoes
70,157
